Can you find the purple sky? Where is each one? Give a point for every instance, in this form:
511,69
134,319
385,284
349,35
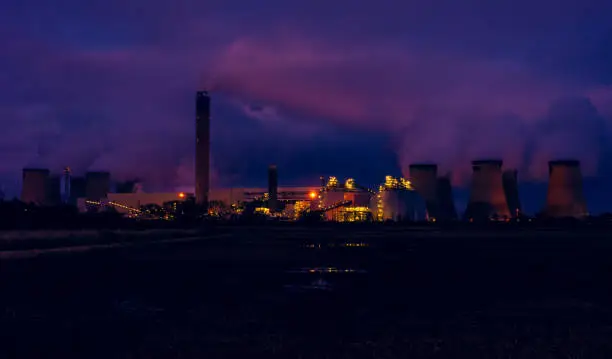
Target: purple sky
319,87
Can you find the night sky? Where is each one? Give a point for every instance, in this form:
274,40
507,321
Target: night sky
346,88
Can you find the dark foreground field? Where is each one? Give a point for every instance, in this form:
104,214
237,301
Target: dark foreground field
249,294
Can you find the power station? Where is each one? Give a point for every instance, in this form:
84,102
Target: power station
424,195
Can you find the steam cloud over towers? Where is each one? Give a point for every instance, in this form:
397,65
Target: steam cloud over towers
565,197
487,195
202,155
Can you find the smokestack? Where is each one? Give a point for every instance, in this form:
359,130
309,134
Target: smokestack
97,185
565,197
487,196
35,185
273,188
66,179
202,155
510,181
446,204
424,179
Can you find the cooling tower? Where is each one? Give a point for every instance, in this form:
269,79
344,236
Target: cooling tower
424,179
446,204
565,197
273,188
35,185
510,181
487,196
97,185
202,155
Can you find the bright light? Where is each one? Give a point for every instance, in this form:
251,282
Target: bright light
312,195
181,195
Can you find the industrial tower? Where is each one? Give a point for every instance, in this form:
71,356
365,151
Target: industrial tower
272,188
424,179
565,197
487,195
202,155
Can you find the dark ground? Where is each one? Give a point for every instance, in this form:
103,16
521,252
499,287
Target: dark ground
423,295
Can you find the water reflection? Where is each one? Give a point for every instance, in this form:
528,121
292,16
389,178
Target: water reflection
332,245
318,285
321,270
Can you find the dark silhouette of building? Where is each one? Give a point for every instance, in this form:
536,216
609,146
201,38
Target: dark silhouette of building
78,189
97,185
35,185
446,203
273,188
510,181
424,179
129,186
487,196
54,188
565,197
202,162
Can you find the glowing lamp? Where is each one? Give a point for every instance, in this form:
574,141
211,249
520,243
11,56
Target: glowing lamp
181,195
312,195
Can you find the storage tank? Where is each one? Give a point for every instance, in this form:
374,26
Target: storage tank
565,197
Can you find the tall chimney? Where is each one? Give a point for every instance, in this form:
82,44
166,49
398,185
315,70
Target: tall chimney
565,197
510,181
424,179
273,188
446,203
202,155
487,196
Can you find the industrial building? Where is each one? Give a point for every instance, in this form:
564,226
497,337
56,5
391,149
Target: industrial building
202,155
97,185
397,200
446,203
487,195
565,197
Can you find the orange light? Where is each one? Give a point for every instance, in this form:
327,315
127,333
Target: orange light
181,195
312,195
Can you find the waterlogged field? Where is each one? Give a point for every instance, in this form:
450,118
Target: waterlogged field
317,293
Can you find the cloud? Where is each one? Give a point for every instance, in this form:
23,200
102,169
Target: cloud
110,84
445,108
